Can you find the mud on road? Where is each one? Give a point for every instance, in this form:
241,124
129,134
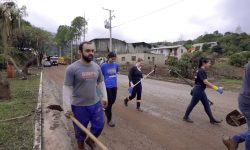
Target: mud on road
159,127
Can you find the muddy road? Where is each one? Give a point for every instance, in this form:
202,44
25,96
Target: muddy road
159,127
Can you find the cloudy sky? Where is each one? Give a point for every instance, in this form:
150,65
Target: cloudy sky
143,20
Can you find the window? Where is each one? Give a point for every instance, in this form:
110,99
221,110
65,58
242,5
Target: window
181,50
123,58
133,58
148,57
161,51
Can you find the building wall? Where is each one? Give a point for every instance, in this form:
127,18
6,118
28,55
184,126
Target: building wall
120,47
166,52
148,58
181,51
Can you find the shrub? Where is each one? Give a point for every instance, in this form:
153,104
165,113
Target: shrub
239,59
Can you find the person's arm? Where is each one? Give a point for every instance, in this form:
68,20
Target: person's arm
67,91
67,95
131,72
103,94
102,88
117,69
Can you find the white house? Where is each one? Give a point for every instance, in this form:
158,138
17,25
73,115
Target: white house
198,46
175,51
152,59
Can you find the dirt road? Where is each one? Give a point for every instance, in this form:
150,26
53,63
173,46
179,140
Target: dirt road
159,127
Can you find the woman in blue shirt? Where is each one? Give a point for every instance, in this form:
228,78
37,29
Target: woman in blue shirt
109,71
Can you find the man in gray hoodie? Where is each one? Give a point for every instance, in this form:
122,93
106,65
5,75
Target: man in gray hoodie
244,105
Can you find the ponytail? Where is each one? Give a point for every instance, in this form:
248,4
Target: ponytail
202,61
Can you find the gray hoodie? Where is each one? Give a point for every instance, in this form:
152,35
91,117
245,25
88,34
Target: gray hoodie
245,88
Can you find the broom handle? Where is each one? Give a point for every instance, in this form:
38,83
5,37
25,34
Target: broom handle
90,135
144,77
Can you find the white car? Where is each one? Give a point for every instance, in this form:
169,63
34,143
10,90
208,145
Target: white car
46,63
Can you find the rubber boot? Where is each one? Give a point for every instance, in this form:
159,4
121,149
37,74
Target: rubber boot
230,144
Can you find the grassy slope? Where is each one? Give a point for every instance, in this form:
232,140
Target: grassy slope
19,134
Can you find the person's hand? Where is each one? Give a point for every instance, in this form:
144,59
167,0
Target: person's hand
104,104
131,84
220,90
68,114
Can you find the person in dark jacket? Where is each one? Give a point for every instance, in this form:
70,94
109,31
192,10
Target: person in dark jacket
244,105
135,75
198,92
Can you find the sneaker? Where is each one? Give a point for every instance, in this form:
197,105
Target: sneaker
111,124
215,121
139,109
230,144
126,102
81,145
90,143
187,119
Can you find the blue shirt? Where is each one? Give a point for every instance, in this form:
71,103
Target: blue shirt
109,72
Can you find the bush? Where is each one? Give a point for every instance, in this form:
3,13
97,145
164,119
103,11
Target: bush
2,63
239,59
172,61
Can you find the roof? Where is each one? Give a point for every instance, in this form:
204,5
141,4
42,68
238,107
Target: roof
167,47
106,39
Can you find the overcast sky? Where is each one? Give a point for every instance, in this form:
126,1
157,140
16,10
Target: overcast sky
164,20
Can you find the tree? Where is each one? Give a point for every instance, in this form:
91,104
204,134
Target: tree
79,25
65,35
238,29
10,18
217,49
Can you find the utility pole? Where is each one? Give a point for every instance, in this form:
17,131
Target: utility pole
71,52
108,25
84,28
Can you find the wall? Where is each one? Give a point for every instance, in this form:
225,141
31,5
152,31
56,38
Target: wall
120,47
148,58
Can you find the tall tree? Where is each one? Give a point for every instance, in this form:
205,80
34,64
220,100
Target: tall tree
80,26
65,35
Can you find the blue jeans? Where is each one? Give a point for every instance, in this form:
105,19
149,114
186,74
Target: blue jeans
85,114
199,95
245,136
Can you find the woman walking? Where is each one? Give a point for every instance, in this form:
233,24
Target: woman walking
198,92
109,71
135,75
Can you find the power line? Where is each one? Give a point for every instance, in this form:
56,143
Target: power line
150,13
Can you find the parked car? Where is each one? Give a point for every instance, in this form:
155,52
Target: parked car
54,60
46,63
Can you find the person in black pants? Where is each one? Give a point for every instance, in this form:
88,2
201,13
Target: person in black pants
198,92
109,71
135,75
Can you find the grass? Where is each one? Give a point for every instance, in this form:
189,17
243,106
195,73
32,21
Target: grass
19,134
230,83
221,65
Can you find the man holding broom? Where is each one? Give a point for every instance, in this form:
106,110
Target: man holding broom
80,98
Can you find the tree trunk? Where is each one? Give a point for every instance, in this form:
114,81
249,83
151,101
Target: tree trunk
27,65
4,90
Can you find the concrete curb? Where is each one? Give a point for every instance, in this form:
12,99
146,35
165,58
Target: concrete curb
38,119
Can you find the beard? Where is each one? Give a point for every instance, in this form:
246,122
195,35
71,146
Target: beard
88,58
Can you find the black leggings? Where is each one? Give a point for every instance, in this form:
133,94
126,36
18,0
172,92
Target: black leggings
111,92
137,91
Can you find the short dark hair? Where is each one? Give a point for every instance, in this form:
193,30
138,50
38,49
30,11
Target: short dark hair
81,45
111,54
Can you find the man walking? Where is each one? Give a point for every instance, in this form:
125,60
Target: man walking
79,95
109,71
244,105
